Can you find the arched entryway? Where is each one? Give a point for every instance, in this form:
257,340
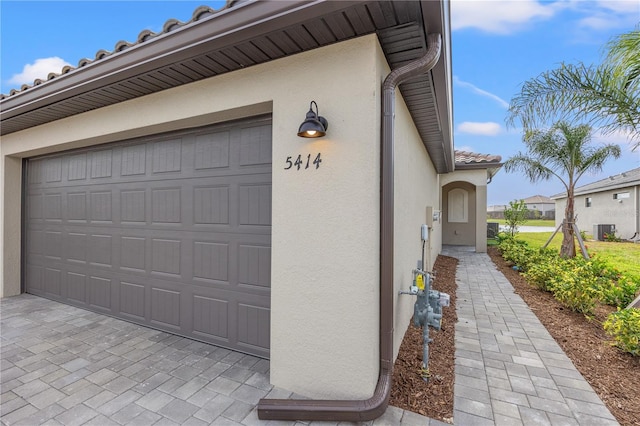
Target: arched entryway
459,214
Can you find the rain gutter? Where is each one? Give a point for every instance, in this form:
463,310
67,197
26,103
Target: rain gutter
375,406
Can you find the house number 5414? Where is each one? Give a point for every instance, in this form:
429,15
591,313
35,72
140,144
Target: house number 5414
302,163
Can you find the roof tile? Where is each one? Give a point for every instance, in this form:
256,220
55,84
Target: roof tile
467,157
144,36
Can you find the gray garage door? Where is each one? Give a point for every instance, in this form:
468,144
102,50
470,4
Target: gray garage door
170,231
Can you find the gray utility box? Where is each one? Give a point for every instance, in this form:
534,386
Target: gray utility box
600,230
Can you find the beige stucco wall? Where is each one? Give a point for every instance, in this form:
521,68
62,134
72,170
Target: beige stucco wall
624,213
474,231
416,188
325,230
325,255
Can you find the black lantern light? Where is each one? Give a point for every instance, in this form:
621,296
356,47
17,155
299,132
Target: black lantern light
313,126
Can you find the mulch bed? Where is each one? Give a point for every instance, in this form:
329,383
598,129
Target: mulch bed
410,392
614,375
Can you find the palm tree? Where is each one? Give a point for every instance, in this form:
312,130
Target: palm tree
606,95
563,152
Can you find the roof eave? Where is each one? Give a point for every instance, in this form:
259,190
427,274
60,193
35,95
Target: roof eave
597,190
241,22
436,19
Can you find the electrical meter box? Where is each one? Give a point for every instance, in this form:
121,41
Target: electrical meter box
429,221
424,232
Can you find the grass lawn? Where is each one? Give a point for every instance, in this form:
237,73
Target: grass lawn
532,222
623,256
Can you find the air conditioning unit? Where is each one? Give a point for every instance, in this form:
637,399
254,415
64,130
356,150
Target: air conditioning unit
600,230
492,229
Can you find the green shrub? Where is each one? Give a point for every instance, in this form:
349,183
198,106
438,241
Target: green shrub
519,253
612,237
618,292
614,289
624,326
576,288
541,274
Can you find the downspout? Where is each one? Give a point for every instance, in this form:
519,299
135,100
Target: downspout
374,407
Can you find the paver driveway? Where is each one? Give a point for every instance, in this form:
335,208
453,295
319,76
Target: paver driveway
64,365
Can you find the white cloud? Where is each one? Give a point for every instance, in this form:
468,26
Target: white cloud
465,148
618,137
479,91
602,15
499,16
620,6
485,129
39,69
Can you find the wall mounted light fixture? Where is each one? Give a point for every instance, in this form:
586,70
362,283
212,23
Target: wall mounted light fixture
313,126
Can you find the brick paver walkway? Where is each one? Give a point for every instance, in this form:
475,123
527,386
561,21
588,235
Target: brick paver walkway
65,366
509,370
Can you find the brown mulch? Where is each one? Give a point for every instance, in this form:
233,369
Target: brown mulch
410,392
614,375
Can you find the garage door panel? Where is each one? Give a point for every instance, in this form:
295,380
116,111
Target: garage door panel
253,322
133,160
165,307
212,150
166,256
52,279
76,287
53,244
100,249
34,278
132,297
170,231
76,206
53,170
77,169
167,156
99,292
35,206
254,265
211,260
211,205
211,318
133,253
52,207
255,145
100,164
75,247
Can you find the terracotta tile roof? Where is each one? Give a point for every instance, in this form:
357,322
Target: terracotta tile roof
143,37
472,158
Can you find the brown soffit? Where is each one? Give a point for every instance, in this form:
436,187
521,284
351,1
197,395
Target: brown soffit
245,34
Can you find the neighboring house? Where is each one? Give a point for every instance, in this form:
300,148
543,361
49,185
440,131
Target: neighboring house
539,206
544,205
496,211
165,183
611,201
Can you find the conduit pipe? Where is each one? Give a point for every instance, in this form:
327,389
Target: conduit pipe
374,407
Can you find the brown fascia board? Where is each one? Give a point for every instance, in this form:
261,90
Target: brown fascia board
476,166
230,26
437,19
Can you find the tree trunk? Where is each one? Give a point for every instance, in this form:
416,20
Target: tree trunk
568,248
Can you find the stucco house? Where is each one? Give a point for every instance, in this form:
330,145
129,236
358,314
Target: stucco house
165,183
542,205
611,201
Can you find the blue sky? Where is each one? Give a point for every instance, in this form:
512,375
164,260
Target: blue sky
497,45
